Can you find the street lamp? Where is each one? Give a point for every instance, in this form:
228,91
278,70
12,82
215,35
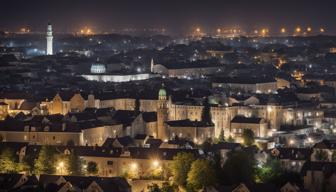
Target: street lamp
298,29
60,167
134,166
291,142
155,163
283,30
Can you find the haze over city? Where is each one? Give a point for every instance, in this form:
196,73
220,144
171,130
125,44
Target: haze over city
178,17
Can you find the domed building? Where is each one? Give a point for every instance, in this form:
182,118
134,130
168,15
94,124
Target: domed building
98,68
162,94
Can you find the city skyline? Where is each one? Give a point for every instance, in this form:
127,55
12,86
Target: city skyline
175,17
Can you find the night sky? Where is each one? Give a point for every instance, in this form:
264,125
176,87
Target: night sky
174,15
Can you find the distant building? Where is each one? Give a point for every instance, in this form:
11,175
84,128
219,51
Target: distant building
245,84
98,68
98,72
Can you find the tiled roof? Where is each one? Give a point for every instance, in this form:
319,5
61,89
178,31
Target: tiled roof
188,123
242,119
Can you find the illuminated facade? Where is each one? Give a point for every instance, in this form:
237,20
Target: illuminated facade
162,115
98,68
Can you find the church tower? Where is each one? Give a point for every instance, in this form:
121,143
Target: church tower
162,116
49,40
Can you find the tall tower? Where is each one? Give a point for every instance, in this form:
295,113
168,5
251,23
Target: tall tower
162,116
152,66
49,40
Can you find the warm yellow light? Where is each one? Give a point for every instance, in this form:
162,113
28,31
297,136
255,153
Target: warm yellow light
198,29
61,164
81,31
219,30
156,163
256,31
291,142
309,29
322,30
234,31
283,30
134,165
89,31
298,29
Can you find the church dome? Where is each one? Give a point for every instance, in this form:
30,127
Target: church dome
98,68
162,92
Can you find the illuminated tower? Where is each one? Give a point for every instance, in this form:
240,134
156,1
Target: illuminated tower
162,116
152,66
49,40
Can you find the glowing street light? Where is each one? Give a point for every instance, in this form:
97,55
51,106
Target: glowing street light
134,166
309,29
219,30
60,167
155,163
283,30
322,30
298,29
291,142
198,29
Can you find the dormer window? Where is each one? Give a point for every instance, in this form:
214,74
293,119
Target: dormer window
67,152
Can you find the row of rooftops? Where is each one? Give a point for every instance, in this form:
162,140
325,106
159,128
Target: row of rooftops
54,183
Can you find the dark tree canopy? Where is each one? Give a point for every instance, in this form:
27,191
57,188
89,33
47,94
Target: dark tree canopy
92,168
248,137
206,114
239,167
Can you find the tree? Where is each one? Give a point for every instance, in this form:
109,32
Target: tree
248,137
239,167
269,171
8,161
137,105
321,155
154,188
221,137
206,114
92,168
230,139
45,163
201,174
180,167
75,164
164,188
206,145
333,156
